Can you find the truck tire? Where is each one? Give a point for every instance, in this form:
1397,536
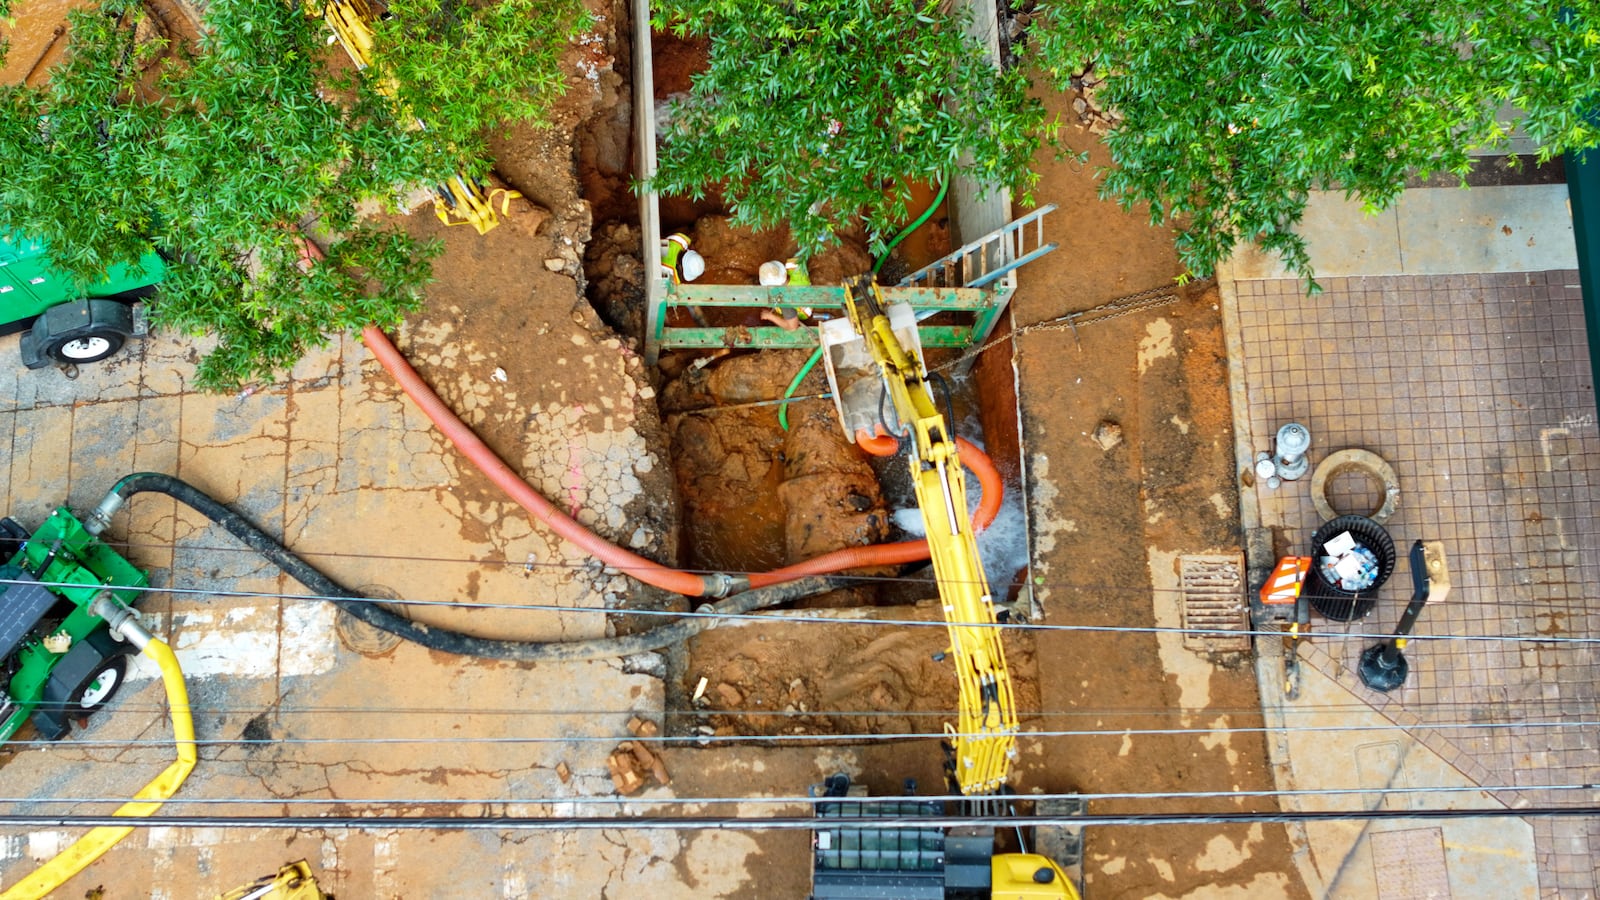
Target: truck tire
98,687
91,346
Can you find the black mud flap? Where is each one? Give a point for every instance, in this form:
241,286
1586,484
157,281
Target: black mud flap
51,716
74,319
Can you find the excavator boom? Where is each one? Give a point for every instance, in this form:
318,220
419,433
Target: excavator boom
984,737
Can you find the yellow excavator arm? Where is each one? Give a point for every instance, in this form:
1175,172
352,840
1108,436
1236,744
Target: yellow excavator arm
984,737
461,199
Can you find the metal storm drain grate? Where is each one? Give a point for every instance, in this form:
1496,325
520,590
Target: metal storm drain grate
1213,603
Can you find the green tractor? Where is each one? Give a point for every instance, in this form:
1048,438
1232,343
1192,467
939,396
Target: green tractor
61,324
58,660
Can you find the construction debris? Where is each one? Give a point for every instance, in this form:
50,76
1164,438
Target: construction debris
1107,435
632,763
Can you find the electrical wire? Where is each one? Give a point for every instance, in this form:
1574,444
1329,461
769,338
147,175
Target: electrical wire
577,801
589,566
811,738
776,823
1567,707
800,617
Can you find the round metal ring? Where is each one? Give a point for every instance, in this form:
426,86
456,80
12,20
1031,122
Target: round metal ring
1355,460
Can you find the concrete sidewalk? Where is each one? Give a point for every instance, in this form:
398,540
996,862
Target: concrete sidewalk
1448,340
299,714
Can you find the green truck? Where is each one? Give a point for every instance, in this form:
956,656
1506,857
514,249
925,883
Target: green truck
61,324
58,660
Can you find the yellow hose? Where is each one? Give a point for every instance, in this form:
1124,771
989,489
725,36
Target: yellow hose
93,845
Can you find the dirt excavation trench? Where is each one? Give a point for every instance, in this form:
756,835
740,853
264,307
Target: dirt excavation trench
532,334
753,495
1101,712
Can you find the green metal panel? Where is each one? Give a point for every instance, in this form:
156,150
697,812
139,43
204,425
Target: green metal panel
972,304
82,562
1583,187
76,566
30,284
800,338
823,297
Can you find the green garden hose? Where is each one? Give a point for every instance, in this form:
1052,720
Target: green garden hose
926,214
783,408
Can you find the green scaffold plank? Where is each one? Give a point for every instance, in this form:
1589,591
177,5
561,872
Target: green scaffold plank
770,338
821,297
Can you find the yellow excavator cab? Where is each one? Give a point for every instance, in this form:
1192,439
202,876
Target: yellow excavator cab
293,882
1028,876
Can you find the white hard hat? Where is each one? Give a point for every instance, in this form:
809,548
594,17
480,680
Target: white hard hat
692,265
773,273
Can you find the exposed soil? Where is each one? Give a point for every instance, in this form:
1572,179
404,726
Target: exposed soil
756,496
1101,519
1106,526
824,679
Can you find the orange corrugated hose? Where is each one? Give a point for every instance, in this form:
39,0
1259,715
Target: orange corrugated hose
649,571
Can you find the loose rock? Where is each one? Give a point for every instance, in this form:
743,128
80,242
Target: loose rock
1107,435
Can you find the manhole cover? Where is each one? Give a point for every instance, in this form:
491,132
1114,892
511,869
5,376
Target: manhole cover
1411,864
361,637
1213,603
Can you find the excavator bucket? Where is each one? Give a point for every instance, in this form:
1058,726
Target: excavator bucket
350,21
854,376
464,201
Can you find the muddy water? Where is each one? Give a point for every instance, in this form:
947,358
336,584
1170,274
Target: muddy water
39,39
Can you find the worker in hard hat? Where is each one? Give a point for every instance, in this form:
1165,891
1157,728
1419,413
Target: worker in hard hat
776,273
678,262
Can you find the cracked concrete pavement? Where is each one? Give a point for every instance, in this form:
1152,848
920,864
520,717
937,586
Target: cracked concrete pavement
291,719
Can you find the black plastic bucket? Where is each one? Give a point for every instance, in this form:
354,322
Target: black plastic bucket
1332,601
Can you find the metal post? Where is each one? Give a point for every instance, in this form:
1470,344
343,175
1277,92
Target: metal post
1383,667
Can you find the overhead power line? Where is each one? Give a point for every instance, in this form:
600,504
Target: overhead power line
650,802
809,738
804,617
390,822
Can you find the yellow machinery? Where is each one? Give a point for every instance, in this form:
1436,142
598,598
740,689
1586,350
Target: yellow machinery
461,200
984,737
875,367
292,882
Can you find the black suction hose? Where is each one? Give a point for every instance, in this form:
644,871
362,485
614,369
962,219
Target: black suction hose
439,638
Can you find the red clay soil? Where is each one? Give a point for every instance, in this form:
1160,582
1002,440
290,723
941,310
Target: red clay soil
1167,488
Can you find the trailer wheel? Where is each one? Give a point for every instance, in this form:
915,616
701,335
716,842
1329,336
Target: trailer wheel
98,687
91,346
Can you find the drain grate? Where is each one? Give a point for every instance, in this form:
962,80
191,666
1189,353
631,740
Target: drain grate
1213,603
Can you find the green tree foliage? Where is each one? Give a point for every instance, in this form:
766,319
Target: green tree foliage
1232,111
215,154
811,112
467,67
